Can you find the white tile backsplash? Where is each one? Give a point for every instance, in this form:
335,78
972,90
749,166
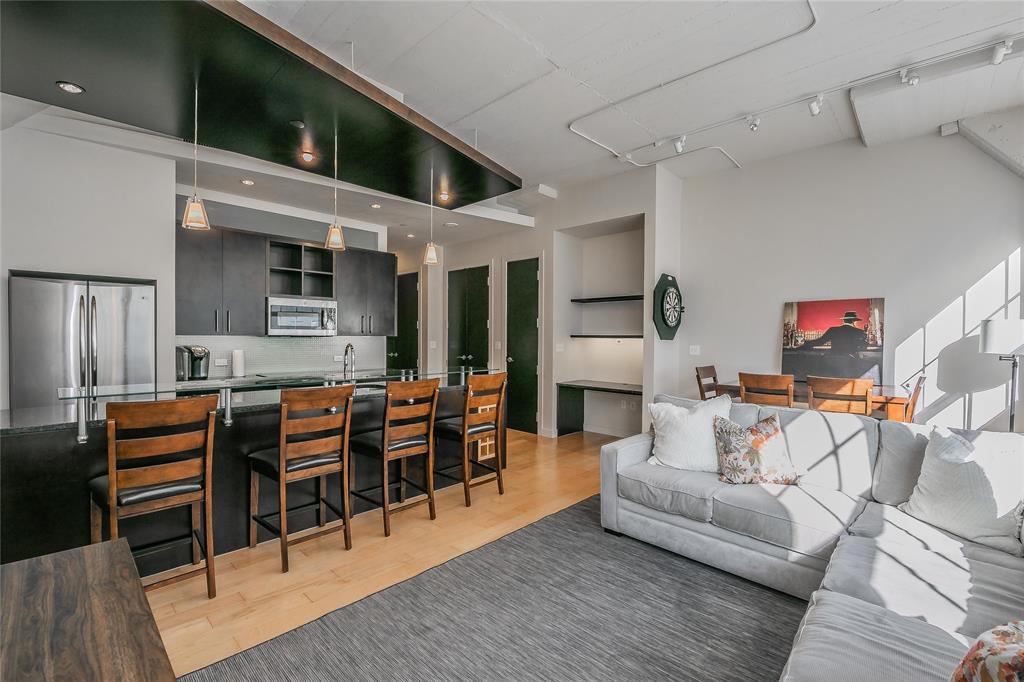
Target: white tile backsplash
288,353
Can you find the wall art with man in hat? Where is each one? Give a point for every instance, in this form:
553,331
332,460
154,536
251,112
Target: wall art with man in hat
837,338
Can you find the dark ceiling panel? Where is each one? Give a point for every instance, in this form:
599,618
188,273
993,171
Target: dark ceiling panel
139,61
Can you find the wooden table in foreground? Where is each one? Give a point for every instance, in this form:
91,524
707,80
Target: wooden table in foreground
890,399
79,615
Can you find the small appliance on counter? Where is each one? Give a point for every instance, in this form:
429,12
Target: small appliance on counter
192,362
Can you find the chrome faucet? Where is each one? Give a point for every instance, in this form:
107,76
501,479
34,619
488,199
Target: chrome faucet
346,373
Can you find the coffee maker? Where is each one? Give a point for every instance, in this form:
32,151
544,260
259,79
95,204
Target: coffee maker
191,362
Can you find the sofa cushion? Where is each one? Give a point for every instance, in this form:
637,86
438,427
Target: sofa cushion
900,453
966,596
830,449
753,454
973,489
744,414
676,491
888,524
804,518
845,639
684,437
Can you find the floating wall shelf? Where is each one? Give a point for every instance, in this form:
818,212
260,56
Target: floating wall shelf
606,336
609,299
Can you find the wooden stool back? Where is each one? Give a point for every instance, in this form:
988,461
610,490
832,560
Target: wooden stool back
304,412
409,413
828,394
485,398
704,373
767,389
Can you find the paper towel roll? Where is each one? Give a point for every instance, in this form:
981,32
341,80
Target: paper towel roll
238,363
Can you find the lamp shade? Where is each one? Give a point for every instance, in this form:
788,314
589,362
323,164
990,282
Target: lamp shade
195,217
430,254
1002,337
335,238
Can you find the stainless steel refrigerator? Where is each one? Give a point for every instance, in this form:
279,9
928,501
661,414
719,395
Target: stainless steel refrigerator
78,333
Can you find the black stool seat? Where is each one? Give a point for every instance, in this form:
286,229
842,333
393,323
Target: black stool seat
452,428
125,496
370,443
266,462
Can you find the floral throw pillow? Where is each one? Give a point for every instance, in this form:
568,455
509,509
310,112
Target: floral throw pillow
755,454
997,656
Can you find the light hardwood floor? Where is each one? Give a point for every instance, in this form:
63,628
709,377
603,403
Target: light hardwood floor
256,602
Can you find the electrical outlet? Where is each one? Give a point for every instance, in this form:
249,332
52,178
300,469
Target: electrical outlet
339,358
694,350
624,404
220,362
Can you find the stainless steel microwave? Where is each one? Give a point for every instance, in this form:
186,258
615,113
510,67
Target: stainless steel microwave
301,317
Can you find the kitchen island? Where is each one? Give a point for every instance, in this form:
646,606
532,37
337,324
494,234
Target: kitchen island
44,467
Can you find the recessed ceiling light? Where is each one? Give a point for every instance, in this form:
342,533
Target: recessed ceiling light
450,224
298,124
307,157
248,183
411,236
70,88
374,205
443,196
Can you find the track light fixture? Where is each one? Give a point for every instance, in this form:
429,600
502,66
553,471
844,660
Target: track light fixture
753,123
908,78
679,143
1001,50
815,105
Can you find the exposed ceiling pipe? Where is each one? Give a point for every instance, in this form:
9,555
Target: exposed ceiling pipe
628,155
618,104
828,91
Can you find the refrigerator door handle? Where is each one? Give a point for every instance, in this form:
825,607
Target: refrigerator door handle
95,348
83,363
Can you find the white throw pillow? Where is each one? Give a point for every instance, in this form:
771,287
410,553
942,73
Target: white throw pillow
684,438
974,491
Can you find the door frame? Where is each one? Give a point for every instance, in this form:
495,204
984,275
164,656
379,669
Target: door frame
420,293
543,398
471,265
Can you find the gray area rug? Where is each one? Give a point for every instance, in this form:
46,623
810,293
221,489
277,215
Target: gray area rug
557,600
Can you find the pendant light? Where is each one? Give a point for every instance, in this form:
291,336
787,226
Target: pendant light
430,253
335,237
195,217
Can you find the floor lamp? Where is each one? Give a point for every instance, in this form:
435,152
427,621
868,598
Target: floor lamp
1005,338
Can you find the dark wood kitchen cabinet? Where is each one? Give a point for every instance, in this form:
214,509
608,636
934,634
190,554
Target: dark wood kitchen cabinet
220,283
365,287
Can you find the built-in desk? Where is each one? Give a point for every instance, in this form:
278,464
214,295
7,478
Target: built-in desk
571,399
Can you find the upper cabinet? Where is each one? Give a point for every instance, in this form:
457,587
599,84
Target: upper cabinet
220,283
365,286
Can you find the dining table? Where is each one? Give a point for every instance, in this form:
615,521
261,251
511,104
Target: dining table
890,400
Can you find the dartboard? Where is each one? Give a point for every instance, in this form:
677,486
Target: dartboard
672,307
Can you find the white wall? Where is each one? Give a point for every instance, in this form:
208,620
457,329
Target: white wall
931,224
69,206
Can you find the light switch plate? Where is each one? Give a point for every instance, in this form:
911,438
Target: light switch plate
433,345
559,347
497,344
220,362
339,358
694,350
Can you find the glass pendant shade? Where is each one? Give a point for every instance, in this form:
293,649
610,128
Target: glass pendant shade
195,217
430,254
335,238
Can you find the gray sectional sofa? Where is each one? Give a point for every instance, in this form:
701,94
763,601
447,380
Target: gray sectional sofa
891,597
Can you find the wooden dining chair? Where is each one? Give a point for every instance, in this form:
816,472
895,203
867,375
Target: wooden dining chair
914,396
312,442
408,431
767,389
482,410
828,394
707,389
160,456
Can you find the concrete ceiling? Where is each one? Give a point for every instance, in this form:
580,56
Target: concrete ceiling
513,75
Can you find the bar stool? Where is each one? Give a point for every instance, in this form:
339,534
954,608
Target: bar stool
408,431
481,419
159,456
312,443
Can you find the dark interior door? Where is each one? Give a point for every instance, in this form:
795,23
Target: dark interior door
245,283
197,290
351,282
403,347
468,315
522,314
382,268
